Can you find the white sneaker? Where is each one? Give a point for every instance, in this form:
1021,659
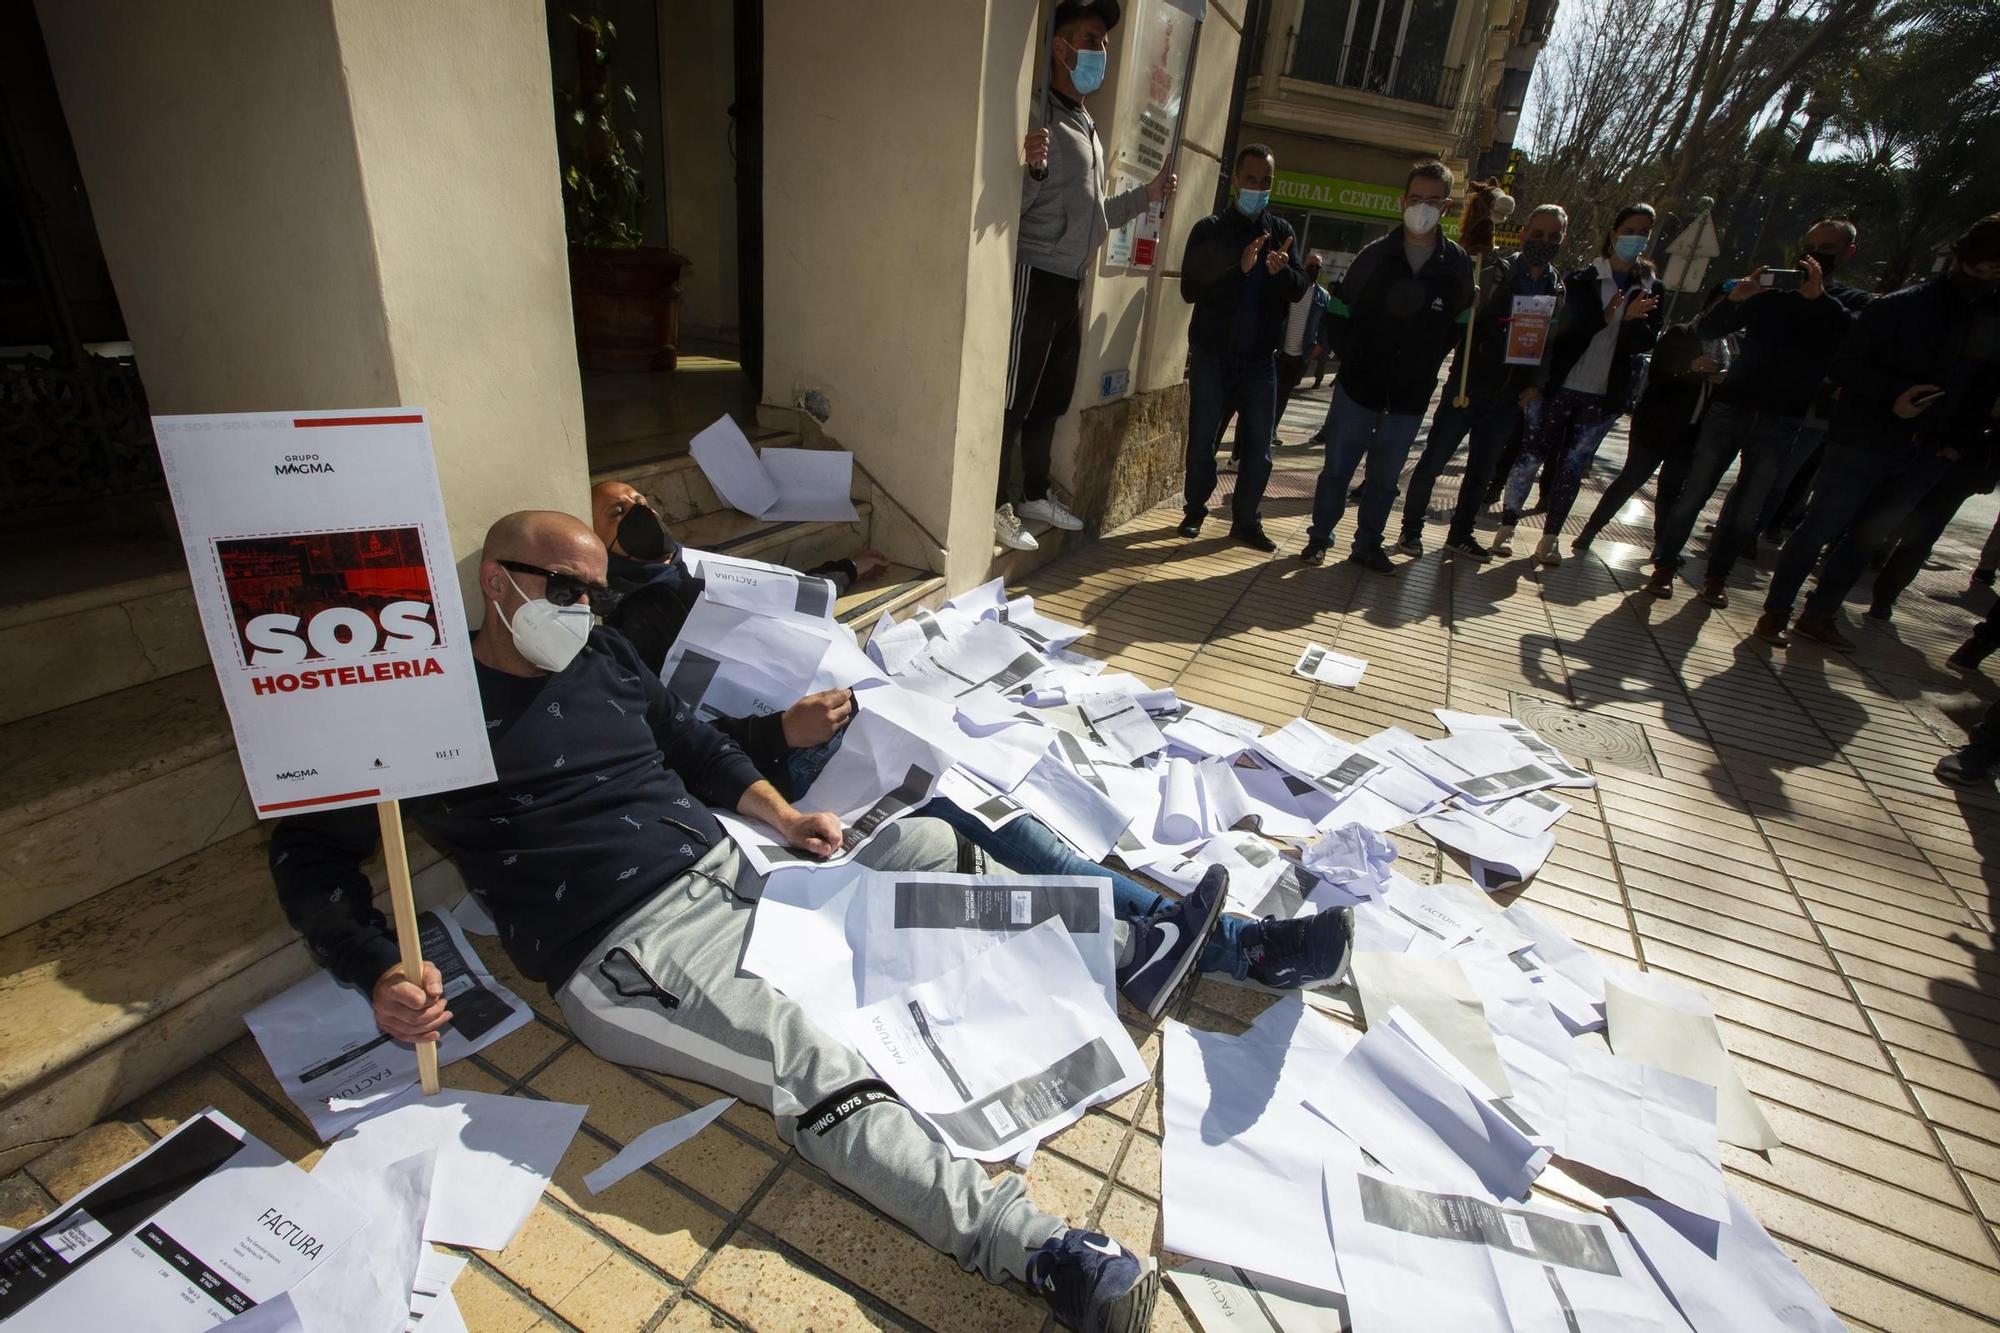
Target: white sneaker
1007,530
1546,552
1227,465
1503,540
1051,512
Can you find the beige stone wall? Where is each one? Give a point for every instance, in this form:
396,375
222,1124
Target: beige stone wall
891,195
339,203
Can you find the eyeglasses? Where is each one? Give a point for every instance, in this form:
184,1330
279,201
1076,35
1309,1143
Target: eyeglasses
567,589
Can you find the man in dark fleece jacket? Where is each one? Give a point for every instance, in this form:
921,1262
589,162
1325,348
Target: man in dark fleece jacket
609,879
1241,276
1785,342
1919,380
1399,311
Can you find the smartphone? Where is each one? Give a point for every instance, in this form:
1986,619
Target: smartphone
1781,279
1927,399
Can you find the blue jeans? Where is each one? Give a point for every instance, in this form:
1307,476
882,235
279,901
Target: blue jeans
1764,442
1027,846
1489,423
1864,490
1353,432
1217,386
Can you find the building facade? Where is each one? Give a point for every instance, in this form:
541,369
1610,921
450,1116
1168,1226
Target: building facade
1348,93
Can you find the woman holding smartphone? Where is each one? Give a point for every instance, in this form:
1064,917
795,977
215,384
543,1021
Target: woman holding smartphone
1611,312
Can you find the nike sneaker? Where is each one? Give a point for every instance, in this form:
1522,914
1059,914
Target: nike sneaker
1303,951
1094,1284
1167,944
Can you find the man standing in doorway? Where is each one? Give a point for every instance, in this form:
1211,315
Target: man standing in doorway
1304,328
1064,218
1242,278
1397,315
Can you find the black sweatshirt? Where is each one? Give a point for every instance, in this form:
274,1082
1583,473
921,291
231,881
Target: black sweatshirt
1392,327
1929,334
1786,346
1213,281
604,783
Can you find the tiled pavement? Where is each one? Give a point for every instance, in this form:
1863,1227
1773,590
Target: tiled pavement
1794,859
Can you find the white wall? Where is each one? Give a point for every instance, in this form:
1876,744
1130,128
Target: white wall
338,203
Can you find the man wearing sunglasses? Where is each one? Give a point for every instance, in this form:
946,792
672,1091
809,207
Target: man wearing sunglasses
597,856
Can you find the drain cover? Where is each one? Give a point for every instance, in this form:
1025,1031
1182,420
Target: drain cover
1582,735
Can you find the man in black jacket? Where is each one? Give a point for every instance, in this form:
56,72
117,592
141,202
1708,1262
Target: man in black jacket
1241,276
1785,341
598,857
1398,313
1919,380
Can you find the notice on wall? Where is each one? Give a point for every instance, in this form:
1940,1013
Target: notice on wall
1152,96
1528,330
322,567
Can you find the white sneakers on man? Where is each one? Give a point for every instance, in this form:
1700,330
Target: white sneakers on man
1051,512
1503,540
1007,530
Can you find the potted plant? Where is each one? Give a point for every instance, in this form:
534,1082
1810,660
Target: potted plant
624,294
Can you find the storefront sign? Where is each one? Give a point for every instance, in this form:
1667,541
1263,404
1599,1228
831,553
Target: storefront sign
322,568
1330,194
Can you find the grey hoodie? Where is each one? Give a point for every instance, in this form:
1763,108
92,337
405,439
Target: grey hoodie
1065,218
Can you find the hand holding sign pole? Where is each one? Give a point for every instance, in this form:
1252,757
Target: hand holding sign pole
321,563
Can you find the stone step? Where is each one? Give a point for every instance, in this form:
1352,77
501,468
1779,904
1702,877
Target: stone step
101,791
899,591
61,650
798,545
114,995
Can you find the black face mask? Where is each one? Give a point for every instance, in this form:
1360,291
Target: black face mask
1827,262
642,534
1540,253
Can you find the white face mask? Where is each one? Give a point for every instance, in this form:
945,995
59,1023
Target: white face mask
549,636
1421,219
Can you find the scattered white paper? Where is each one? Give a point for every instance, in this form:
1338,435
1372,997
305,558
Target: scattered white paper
1332,765
495,1157
1436,993
1670,1027
1726,1277
1571,980
731,466
971,1050
1418,1261
1497,858
1322,664
1647,1126
786,485
1236,1129
1420,1122
655,1143
367,1283
1121,726
432,1309
1210,731
1226,1299
1484,765
1523,734
204,1225
337,1066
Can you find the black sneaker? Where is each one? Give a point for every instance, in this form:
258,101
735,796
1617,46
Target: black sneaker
1374,560
1094,1284
1315,552
1167,944
1469,549
1983,577
1881,610
1252,536
1303,951
1354,492
1963,768
1190,526
1409,545
1966,657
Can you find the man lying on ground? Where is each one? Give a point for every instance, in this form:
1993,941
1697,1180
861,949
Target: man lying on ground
596,854
1165,938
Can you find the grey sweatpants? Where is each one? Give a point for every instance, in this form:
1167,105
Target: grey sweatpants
733,1031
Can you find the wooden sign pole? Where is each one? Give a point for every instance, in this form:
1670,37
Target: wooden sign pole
1459,399
403,906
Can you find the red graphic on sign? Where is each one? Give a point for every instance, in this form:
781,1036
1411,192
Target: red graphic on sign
328,596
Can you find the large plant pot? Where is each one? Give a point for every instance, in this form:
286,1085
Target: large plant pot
627,306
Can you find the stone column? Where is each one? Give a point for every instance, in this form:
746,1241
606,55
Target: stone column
340,203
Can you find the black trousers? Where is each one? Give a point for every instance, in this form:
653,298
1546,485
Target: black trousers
1041,376
1649,448
1919,533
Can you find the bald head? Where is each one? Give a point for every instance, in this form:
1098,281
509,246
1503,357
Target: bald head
541,537
610,501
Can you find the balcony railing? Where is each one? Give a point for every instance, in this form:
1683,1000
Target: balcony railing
1408,78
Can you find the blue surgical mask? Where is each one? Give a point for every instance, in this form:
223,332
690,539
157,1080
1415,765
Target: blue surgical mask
1629,248
1251,202
1088,73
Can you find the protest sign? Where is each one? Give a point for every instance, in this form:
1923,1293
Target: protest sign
322,568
